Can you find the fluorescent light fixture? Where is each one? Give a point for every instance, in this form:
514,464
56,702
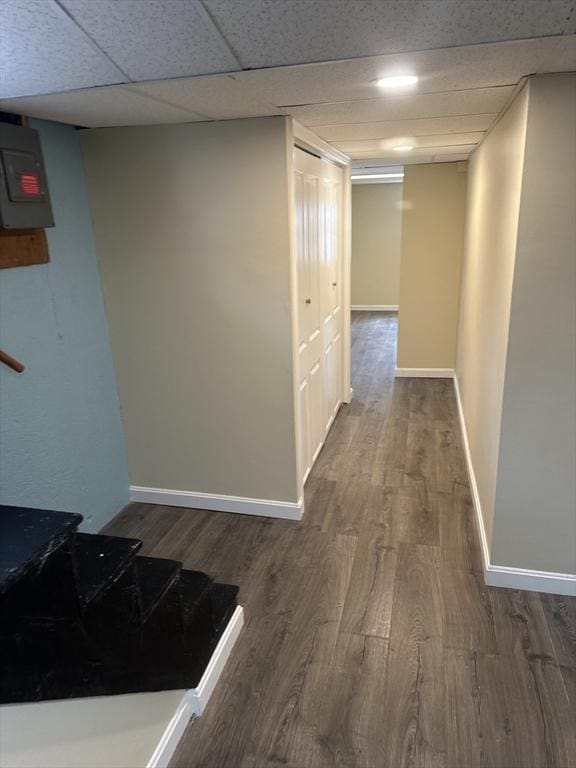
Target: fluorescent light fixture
378,176
403,148
396,81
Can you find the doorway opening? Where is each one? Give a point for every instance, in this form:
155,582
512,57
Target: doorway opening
376,246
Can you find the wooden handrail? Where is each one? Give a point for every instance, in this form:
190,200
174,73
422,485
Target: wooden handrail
11,362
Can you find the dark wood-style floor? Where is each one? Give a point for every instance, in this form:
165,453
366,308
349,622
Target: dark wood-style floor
371,640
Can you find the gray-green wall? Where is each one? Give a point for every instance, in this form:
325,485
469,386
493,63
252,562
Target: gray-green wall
193,233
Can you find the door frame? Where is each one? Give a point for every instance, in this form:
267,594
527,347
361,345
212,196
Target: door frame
299,136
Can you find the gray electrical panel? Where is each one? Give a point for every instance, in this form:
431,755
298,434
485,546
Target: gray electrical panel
24,198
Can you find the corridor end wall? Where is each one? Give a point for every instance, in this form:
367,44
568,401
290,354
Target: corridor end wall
434,205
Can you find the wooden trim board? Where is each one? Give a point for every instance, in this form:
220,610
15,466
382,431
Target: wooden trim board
23,248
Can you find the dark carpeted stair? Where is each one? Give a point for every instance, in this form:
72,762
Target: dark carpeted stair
86,615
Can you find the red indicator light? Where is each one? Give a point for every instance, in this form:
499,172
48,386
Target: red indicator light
30,184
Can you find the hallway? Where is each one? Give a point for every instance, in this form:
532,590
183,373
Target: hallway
371,640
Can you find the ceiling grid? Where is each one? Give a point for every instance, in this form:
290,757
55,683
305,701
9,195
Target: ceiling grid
139,62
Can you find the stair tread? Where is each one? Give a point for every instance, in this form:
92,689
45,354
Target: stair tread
100,560
224,601
28,535
192,585
155,575
148,624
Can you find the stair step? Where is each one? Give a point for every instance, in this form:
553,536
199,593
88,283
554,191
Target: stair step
86,615
197,617
193,586
207,608
156,576
224,600
100,561
49,660
28,535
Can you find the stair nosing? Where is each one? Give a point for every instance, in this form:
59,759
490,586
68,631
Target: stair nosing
171,583
42,552
121,568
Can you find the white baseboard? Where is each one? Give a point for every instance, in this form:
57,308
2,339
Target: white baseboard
201,694
424,373
374,307
195,700
502,575
480,529
534,581
218,503
173,733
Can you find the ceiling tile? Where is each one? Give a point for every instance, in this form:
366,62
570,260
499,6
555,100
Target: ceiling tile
415,127
451,158
218,97
384,146
375,164
374,168
99,107
473,102
420,155
154,39
266,33
440,70
41,51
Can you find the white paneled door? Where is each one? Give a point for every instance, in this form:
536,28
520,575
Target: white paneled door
318,199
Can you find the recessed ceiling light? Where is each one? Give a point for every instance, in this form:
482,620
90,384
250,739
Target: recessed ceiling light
403,147
396,81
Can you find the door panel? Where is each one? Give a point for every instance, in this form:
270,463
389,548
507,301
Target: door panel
317,199
316,410
328,379
303,278
305,455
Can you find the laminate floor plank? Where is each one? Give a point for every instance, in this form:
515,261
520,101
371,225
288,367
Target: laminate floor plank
468,620
526,717
464,734
458,540
368,605
371,640
560,613
415,725
416,516
149,522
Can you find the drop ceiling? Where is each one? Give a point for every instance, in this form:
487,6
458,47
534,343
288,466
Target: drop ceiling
99,63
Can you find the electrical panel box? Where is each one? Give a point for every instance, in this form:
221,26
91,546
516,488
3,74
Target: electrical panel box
24,198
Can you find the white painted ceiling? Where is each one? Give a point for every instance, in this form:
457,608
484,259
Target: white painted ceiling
136,62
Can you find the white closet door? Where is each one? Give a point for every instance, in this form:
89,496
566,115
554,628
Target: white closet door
331,328
317,191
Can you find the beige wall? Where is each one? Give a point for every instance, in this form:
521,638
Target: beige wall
191,227
376,234
535,521
434,204
517,344
494,186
